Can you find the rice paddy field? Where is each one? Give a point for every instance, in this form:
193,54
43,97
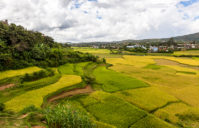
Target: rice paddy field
128,92
13,73
190,52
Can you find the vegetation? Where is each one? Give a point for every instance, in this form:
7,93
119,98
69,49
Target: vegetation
2,107
20,72
112,110
35,97
158,91
151,122
148,99
117,81
22,48
65,116
38,75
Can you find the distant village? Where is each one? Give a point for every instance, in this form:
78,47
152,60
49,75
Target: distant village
151,48
178,47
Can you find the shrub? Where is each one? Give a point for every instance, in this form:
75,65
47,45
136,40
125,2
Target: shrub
2,106
37,75
65,116
28,109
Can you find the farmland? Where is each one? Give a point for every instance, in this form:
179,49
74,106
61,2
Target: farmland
190,52
127,91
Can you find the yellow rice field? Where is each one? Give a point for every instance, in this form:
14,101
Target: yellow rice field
149,98
13,73
35,97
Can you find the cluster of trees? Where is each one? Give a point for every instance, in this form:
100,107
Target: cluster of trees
20,48
38,75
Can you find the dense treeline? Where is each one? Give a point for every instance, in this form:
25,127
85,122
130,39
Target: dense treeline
20,48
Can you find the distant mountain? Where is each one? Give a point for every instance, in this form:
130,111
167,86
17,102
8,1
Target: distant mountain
184,38
190,37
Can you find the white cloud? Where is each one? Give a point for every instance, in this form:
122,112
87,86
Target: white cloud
104,20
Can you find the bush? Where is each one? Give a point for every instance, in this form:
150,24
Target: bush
65,116
28,109
38,75
2,106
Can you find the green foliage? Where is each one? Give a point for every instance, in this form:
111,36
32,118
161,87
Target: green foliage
186,72
65,116
111,109
22,48
112,81
2,107
151,122
139,50
38,75
153,66
28,109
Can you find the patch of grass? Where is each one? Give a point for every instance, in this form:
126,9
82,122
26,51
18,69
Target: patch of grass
27,86
189,52
13,73
189,94
91,50
148,99
66,69
170,112
153,66
66,116
185,72
112,110
151,122
35,97
73,69
112,81
165,78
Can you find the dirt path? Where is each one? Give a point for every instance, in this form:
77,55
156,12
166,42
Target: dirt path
73,92
38,127
171,62
6,86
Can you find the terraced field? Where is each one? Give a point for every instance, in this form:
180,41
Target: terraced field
13,73
112,81
174,88
135,92
190,52
35,97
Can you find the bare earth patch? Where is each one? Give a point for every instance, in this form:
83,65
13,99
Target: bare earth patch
170,62
38,127
23,116
73,92
6,86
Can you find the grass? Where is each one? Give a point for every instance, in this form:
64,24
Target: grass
189,95
13,73
91,50
12,123
148,99
186,72
112,110
35,97
170,112
151,122
27,86
153,66
189,52
112,81
132,60
165,78
73,69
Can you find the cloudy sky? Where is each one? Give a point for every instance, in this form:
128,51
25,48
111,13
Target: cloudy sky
104,20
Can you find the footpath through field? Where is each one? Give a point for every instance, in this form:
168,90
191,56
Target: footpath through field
73,92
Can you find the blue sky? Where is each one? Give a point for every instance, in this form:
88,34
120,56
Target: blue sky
104,20
188,2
